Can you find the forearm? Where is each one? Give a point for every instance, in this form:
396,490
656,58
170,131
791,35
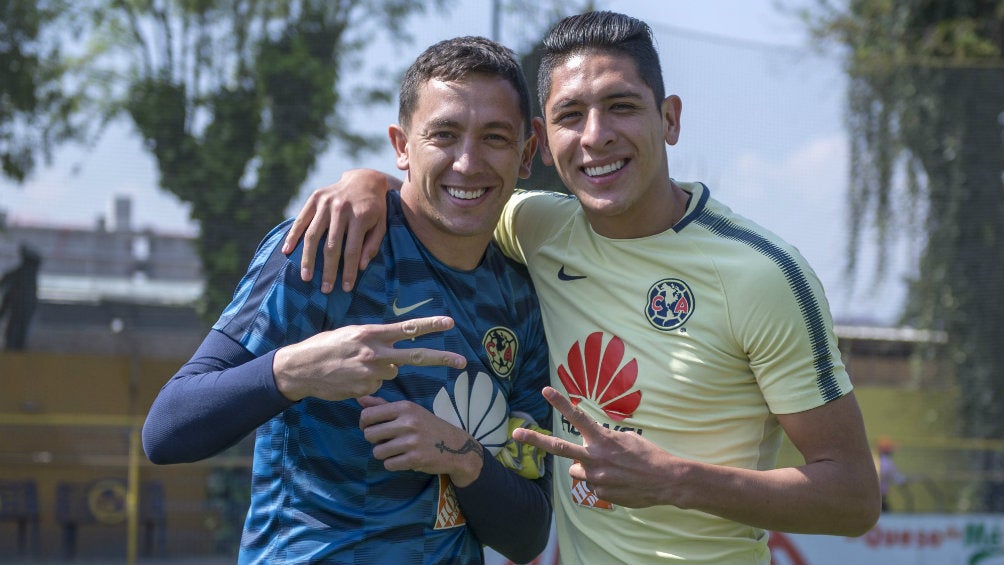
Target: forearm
824,497
221,395
507,512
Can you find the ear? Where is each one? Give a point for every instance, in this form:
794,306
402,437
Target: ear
526,159
399,141
672,106
540,132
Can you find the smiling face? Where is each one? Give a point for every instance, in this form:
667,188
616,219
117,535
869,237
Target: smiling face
464,148
607,136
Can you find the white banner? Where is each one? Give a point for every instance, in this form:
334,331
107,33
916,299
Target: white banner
898,539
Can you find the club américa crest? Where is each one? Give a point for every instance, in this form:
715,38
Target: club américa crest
501,346
670,304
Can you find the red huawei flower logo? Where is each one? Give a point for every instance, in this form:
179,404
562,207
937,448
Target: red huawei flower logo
598,374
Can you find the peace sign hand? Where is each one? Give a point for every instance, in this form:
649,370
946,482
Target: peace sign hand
353,361
620,467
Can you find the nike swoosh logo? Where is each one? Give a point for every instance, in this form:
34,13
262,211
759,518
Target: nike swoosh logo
406,309
562,275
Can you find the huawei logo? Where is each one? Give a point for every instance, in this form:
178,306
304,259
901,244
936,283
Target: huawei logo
477,406
599,373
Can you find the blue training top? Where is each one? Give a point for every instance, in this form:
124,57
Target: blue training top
318,494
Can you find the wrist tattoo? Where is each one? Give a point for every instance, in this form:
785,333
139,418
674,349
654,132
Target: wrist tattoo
470,446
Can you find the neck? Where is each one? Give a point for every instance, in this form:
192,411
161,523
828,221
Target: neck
461,252
657,214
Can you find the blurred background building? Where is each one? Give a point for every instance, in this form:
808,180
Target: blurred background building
107,284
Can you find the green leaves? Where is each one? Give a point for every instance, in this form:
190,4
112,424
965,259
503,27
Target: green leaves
236,99
31,104
926,100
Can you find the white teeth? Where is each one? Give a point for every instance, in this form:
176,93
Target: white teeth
465,194
605,169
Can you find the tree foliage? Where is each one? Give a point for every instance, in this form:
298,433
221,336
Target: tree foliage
926,103
235,99
34,109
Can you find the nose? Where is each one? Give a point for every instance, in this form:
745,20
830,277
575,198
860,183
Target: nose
468,159
596,132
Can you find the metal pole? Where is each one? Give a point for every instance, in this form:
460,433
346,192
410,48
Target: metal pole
132,496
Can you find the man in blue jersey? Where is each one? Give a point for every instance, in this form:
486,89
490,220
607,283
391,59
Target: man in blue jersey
684,338
383,415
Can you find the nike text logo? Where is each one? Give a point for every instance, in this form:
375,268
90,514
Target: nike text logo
566,277
406,309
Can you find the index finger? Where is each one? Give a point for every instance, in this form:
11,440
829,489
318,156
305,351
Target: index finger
553,445
587,426
420,356
410,329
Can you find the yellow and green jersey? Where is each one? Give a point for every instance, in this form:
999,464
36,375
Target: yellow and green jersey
695,338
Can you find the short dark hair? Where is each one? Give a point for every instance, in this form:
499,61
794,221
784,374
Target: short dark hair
603,31
455,59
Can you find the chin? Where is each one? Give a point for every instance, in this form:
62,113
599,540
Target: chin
599,204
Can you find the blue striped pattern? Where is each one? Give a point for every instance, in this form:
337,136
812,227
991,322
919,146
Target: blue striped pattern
318,496
812,314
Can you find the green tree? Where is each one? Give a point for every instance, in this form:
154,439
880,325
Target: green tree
235,99
34,108
926,103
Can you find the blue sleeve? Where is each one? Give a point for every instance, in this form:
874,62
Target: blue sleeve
227,389
221,395
508,513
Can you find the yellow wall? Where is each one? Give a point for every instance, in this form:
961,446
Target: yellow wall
65,418
79,384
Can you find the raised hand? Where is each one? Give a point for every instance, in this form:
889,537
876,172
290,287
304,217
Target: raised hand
353,209
353,361
406,436
620,467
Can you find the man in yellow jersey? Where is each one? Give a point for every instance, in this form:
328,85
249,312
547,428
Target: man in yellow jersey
684,339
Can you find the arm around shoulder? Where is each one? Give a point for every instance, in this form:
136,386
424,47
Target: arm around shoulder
351,213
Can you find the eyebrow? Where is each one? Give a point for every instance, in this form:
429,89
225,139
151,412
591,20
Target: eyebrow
453,124
499,124
442,123
568,102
